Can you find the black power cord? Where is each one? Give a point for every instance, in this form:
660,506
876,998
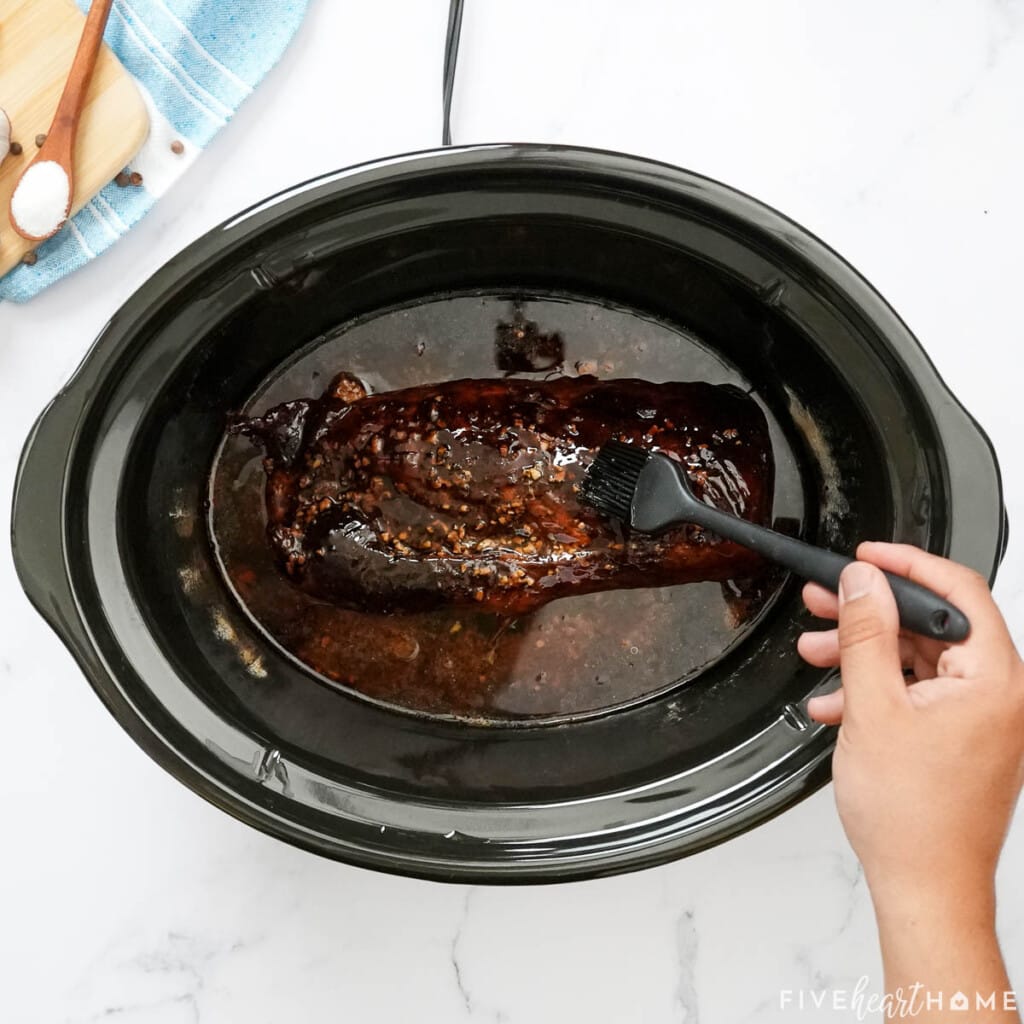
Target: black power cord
451,54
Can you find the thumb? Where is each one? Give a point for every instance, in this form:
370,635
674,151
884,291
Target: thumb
869,652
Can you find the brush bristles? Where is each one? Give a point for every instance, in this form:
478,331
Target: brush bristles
611,480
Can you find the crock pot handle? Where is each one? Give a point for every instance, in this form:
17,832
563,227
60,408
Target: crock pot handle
37,533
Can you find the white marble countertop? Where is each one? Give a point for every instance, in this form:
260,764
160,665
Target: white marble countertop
891,131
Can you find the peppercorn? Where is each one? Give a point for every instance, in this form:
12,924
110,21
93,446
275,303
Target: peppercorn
122,180
177,147
29,259
15,149
40,139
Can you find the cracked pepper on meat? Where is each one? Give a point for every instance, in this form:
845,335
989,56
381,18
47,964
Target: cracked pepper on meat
467,492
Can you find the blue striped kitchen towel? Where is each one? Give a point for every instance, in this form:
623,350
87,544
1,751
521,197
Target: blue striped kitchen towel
194,62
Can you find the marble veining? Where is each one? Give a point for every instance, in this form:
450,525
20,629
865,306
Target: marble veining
688,945
456,966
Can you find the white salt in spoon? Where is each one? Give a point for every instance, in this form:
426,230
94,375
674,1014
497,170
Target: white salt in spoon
5,135
42,198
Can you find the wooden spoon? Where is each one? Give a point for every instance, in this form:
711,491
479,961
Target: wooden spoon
59,146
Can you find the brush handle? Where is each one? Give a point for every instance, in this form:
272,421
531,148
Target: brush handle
921,610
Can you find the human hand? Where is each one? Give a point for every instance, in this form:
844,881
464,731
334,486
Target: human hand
927,769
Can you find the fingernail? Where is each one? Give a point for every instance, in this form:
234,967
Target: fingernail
856,580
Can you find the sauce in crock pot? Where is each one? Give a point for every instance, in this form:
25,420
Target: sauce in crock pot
410,544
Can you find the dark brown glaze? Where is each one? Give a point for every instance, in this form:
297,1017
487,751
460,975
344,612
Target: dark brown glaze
466,492
520,346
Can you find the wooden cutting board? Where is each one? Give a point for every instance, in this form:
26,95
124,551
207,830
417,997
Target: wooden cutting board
38,39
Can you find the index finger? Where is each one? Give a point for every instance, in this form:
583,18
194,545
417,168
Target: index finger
964,587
